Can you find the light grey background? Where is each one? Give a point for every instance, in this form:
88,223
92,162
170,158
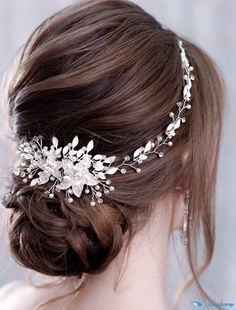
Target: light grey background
210,24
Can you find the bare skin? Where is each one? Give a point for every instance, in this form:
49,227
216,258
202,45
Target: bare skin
140,286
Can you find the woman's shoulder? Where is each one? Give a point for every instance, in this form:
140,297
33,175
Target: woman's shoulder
19,295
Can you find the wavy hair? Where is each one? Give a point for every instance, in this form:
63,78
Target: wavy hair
109,71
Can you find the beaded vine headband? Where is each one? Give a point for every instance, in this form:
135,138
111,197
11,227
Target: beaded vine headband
75,171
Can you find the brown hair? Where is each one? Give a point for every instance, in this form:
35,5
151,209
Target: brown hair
109,71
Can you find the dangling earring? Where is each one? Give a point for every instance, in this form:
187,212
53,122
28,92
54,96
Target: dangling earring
184,228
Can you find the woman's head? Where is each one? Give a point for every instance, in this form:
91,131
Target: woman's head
108,71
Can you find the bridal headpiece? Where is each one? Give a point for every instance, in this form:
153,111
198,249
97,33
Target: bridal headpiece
75,171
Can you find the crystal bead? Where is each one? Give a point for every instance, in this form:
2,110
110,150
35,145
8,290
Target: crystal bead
159,138
28,170
86,191
70,200
52,178
51,195
170,143
106,191
138,170
30,176
100,200
111,188
22,174
127,158
99,194
25,180
123,170
108,182
97,187
183,119
161,154
153,144
92,203
188,106
179,104
171,114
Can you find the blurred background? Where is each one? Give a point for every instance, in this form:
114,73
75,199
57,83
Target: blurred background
211,25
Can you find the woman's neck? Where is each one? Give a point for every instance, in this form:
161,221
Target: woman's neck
141,278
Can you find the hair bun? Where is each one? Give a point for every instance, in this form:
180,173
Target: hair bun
56,239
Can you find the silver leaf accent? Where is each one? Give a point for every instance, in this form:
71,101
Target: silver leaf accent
80,153
109,160
148,146
55,142
75,141
137,152
77,190
34,182
112,170
65,150
90,146
98,157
